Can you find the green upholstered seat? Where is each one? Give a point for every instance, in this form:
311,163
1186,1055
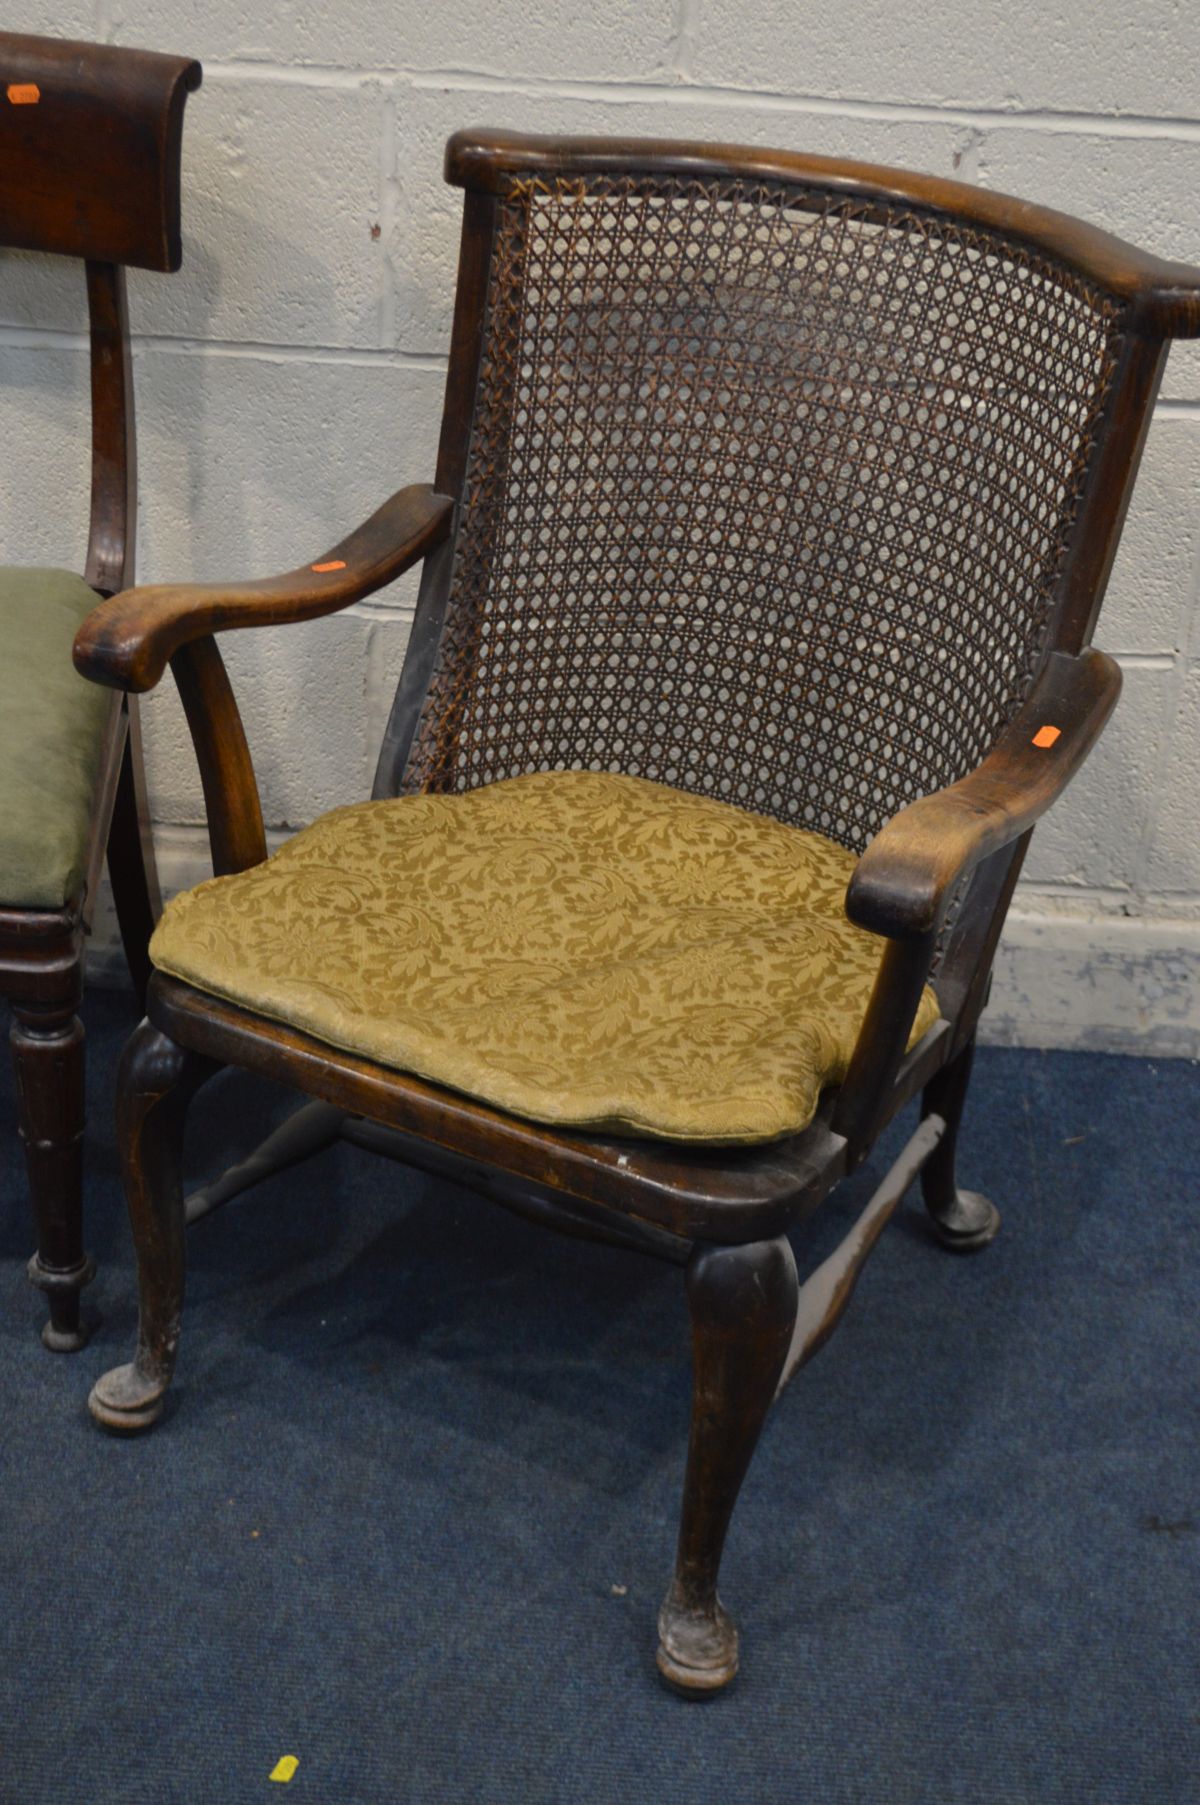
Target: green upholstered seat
51,727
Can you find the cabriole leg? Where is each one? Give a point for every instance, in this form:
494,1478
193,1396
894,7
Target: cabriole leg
743,1307
47,1048
156,1083
961,1220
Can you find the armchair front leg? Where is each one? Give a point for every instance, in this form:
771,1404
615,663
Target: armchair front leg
743,1307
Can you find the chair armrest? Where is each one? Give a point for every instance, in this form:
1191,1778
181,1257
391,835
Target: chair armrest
128,640
904,880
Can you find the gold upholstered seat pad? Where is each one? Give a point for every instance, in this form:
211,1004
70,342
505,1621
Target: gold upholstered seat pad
582,948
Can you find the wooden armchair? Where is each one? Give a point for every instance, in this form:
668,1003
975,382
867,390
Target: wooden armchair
775,501
89,167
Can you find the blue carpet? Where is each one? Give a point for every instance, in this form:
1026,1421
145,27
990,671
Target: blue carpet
413,1510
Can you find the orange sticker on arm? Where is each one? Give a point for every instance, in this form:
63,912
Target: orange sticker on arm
24,93
1046,736
333,564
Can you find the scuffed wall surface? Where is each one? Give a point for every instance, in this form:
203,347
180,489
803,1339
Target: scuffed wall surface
290,376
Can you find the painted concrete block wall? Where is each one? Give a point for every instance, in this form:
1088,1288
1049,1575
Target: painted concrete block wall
290,377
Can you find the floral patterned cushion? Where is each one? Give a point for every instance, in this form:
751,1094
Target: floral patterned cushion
585,949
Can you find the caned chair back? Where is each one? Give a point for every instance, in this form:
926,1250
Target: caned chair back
769,482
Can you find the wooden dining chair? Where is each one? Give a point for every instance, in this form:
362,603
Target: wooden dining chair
89,168
774,504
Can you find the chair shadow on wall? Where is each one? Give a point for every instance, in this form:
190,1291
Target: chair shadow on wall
176,429
198,493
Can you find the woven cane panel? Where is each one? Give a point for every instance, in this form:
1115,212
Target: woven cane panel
766,496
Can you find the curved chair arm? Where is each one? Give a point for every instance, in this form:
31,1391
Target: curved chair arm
128,640
905,878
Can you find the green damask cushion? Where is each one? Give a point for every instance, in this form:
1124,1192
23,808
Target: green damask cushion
588,950
51,730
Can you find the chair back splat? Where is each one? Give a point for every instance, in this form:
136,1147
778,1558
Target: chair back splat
90,139
90,146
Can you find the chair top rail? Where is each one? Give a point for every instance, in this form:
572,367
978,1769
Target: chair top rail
90,140
1164,297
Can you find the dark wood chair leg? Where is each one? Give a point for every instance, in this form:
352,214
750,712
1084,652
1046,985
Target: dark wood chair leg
47,1048
964,1221
131,866
743,1306
156,1083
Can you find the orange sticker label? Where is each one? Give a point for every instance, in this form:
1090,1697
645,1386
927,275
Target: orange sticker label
24,93
1046,736
333,564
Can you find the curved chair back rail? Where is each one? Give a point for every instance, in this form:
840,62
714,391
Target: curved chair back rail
90,139
1166,294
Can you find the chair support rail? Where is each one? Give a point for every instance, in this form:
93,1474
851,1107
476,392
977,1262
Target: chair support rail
317,1125
828,1289
308,1130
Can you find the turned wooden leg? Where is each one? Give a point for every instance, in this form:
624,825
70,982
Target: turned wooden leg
47,1047
743,1306
156,1082
961,1220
